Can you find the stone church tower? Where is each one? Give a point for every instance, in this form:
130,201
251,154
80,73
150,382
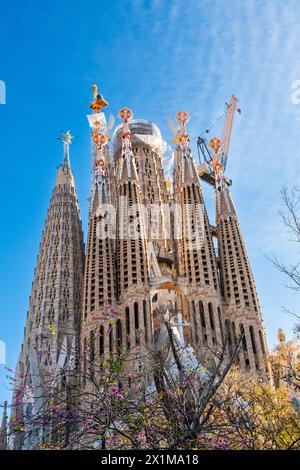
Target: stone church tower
52,326
196,255
100,286
241,306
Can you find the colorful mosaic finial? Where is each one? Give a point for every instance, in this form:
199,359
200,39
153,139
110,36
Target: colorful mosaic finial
182,138
125,114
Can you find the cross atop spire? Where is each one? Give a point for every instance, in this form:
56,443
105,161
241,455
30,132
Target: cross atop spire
64,174
66,138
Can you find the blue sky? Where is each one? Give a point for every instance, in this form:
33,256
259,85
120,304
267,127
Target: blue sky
156,57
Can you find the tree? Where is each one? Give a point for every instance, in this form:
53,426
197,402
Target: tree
290,218
187,405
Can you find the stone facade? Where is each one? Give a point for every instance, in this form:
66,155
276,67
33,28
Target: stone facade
169,263
150,257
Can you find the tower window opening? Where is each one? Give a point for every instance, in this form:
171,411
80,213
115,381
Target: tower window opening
127,321
101,341
119,336
145,320
211,316
136,322
202,316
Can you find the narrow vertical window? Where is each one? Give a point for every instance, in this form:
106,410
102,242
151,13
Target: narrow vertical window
119,336
101,341
145,320
211,316
136,322
127,321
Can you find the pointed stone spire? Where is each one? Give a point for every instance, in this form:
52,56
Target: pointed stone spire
196,255
3,428
242,309
130,236
132,255
55,302
99,294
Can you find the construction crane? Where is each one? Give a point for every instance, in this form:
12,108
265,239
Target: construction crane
206,169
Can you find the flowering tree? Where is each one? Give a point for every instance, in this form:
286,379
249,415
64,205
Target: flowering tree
176,404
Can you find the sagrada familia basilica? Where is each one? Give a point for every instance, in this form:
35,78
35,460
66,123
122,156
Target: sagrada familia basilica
151,252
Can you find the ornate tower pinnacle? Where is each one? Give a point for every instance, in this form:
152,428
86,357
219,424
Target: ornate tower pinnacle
99,102
182,138
100,134
185,170
66,138
65,174
127,167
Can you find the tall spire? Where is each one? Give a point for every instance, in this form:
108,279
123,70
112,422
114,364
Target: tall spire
241,304
99,275
130,210
131,246
53,317
196,255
